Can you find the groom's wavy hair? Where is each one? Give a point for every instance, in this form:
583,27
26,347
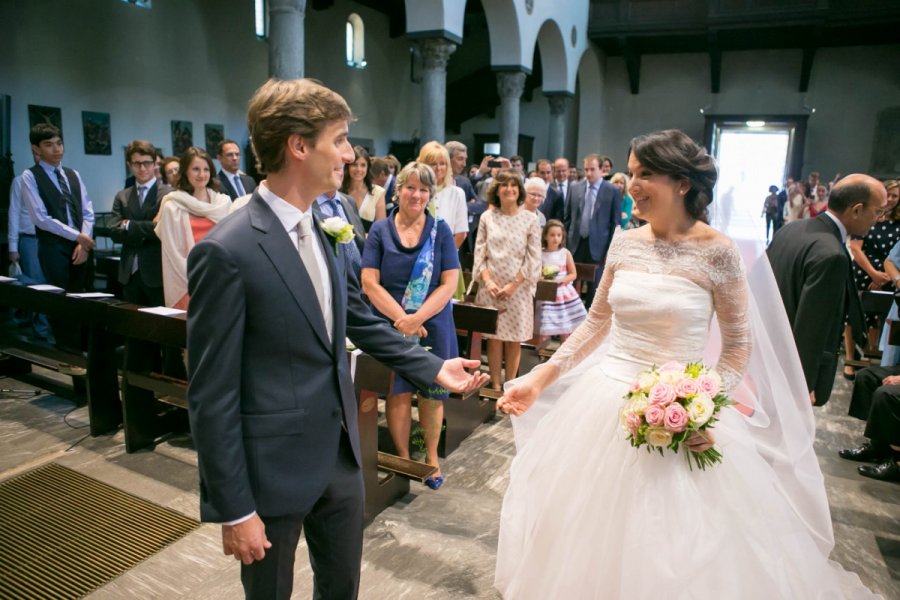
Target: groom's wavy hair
672,152
282,108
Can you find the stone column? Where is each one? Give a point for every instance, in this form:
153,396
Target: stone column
556,140
510,85
286,35
435,55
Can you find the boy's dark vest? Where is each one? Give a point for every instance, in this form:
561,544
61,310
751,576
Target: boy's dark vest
55,202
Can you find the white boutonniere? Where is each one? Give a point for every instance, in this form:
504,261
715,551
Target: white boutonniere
339,230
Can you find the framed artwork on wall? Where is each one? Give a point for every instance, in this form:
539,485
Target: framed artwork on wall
182,136
97,138
45,114
214,136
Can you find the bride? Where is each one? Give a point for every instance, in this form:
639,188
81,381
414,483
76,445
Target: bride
586,515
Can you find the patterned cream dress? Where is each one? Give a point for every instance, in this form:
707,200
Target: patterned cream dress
506,246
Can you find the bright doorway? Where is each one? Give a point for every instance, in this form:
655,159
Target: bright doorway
752,154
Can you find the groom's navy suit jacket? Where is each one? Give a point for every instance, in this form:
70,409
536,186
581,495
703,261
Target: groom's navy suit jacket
268,391
811,266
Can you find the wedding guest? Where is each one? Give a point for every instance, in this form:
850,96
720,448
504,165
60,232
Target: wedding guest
169,169
629,220
869,269
796,200
63,217
358,185
535,192
232,180
770,212
409,272
876,400
185,216
23,252
131,224
507,265
811,265
449,201
562,315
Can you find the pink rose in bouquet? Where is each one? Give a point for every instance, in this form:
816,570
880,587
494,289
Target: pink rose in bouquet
676,418
633,422
662,393
687,387
708,385
655,415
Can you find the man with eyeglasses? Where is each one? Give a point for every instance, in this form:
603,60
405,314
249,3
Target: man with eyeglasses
131,224
812,268
234,183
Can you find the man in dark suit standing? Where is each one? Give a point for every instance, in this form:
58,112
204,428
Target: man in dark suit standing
593,214
234,182
272,405
553,205
812,268
131,224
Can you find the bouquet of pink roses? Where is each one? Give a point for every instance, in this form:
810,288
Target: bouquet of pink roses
665,405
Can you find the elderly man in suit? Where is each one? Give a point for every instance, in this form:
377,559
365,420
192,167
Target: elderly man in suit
271,400
233,181
131,224
812,268
593,213
553,206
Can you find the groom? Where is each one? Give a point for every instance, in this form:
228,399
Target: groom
272,405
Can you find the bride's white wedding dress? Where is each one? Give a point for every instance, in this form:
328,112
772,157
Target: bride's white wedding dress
587,515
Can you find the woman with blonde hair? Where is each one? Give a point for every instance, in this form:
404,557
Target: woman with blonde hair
185,216
449,201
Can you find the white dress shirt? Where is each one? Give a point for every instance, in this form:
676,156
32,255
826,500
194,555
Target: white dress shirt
38,211
19,219
290,216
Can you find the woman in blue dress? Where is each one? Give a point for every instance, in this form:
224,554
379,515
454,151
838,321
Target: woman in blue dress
409,272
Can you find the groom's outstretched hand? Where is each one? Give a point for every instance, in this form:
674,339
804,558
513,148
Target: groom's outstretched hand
519,398
454,377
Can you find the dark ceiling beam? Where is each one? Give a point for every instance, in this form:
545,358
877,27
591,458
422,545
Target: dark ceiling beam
321,4
809,56
715,62
632,64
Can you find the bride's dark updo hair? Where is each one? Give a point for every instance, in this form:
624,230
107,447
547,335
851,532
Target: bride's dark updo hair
673,153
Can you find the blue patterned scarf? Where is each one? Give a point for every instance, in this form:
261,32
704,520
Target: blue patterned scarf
420,278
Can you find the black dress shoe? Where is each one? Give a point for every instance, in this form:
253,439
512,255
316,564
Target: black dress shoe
865,453
888,470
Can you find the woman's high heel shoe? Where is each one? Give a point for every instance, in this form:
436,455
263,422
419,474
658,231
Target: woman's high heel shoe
435,482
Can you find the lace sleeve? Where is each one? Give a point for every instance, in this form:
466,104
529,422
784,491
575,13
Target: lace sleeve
730,300
595,328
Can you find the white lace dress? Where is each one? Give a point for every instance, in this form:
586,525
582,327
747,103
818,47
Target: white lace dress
588,516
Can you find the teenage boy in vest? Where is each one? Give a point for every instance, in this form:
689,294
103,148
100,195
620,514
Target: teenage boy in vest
63,216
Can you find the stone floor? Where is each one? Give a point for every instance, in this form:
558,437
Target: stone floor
430,545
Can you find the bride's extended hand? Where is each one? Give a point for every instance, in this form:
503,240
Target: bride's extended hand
700,441
518,398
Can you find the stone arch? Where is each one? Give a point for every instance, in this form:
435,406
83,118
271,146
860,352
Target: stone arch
591,67
554,58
